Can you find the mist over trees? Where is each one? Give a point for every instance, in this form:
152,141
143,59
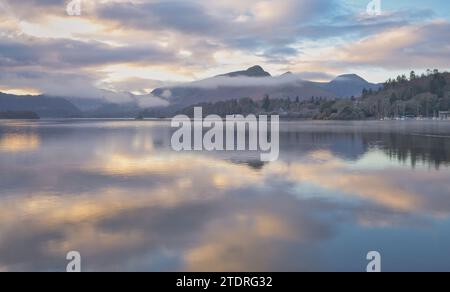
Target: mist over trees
285,107
404,96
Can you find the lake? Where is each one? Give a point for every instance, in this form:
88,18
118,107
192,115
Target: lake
115,191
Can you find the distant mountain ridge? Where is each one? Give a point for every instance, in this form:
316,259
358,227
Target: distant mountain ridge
67,107
255,83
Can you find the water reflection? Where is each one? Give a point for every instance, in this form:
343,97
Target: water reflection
115,191
19,142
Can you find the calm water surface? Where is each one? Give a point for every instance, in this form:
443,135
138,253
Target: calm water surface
115,191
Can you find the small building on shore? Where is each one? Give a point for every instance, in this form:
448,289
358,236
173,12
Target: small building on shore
444,115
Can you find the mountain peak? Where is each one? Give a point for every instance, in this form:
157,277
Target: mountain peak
349,85
350,77
288,73
255,71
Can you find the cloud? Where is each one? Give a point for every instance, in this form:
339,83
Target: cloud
292,79
191,38
319,76
182,16
149,101
64,67
424,44
254,25
135,85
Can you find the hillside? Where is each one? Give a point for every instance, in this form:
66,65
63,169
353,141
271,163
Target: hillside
42,105
413,96
422,96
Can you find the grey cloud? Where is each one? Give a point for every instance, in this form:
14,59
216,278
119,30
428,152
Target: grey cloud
64,52
197,18
315,76
279,54
40,8
140,85
182,16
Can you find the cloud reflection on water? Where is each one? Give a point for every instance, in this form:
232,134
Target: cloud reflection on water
138,206
19,142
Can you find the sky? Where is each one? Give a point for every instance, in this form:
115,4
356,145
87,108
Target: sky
120,46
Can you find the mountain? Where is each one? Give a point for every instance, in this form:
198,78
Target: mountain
44,106
255,83
114,110
87,104
71,107
349,85
289,73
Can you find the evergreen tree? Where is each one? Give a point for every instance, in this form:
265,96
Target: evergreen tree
266,103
